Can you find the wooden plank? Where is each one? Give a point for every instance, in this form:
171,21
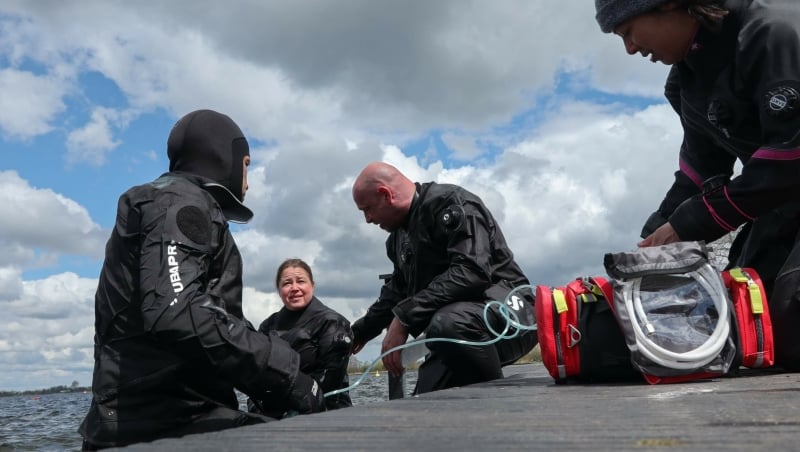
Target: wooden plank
526,410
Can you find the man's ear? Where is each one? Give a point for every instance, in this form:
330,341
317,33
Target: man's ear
386,193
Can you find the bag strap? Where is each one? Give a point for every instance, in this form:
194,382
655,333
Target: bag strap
560,300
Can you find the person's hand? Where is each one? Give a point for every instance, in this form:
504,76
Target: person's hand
396,335
306,395
663,235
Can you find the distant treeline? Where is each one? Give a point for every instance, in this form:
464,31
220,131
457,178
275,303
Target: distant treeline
53,390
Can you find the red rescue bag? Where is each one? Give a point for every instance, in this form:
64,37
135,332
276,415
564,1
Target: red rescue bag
579,337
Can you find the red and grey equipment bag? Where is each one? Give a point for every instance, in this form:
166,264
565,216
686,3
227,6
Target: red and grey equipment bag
665,315
579,337
754,326
673,308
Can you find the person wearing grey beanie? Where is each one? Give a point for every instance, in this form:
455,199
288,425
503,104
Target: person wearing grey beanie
734,82
659,29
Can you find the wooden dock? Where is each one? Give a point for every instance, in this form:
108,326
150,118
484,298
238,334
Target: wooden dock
527,411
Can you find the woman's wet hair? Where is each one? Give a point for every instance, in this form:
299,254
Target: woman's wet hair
708,12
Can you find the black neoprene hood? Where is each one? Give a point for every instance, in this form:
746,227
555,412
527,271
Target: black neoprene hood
209,144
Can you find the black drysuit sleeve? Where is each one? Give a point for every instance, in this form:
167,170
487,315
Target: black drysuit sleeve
335,342
184,304
767,63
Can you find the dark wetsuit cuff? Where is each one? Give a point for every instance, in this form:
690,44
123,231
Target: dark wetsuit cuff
414,328
400,316
692,222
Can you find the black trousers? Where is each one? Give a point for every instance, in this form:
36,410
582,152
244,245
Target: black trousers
771,246
452,364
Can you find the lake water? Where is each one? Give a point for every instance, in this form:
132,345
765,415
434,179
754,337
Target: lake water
50,422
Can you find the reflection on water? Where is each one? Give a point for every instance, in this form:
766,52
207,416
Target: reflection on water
50,422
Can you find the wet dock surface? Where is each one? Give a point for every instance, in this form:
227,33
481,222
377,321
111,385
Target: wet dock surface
527,411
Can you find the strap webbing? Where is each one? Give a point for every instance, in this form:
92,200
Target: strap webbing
756,301
560,301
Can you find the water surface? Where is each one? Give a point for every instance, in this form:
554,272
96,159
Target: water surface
49,422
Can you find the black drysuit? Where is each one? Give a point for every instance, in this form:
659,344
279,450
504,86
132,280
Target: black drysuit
171,342
451,258
324,340
738,96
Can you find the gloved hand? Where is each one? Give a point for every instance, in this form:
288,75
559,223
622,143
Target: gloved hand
270,404
358,331
306,395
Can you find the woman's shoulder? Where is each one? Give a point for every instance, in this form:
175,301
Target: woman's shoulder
325,311
779,22
267,323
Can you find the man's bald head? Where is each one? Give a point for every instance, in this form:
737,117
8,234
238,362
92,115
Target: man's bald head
384,194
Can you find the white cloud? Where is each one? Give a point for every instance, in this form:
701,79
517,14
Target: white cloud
93,141
29,103
464,147
354,65
57,297
38,219
47,332
10,283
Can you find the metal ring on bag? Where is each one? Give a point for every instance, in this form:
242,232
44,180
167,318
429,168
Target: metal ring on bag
574,336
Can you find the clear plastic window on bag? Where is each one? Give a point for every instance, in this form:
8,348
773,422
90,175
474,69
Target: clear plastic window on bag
679,312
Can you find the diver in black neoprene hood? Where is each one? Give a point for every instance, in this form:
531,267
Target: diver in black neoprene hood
171,342
209,144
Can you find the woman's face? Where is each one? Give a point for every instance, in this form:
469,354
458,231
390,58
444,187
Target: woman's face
664,34
295,288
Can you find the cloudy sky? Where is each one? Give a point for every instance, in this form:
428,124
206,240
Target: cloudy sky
526,103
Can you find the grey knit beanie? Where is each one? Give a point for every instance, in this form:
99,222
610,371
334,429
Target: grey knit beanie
611,13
